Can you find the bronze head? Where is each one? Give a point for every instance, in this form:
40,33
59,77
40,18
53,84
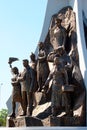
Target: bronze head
41,45
32,56
58,21
15,70
25,62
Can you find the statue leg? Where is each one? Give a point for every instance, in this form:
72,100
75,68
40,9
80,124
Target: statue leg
67,104
24,102
39,84
54,111
30,103
34,100
13,109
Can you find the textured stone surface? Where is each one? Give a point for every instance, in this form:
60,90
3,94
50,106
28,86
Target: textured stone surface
24,122
65,121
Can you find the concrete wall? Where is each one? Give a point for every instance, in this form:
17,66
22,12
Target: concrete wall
78,7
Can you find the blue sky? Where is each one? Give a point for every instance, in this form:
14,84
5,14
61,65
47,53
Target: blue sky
21,23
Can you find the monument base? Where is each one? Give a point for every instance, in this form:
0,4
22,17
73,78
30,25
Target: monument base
66,121
23,121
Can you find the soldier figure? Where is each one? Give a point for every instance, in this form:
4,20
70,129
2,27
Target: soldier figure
33,65
42,66
24,93
27,76
59,78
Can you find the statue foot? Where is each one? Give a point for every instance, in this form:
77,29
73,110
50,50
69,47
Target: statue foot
29,111
23,114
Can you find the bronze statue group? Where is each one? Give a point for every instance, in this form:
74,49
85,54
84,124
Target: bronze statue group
37,75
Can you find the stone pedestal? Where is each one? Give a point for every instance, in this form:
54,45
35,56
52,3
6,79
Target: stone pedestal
23,122
66,121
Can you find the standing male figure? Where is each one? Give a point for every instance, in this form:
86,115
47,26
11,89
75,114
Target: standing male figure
27,77
33,64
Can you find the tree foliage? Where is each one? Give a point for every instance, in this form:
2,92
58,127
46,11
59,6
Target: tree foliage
3,115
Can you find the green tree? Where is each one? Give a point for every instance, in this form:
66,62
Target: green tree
3,115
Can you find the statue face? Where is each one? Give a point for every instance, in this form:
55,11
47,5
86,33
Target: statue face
25,63
61,52
58,22
32,57
14,70
41,45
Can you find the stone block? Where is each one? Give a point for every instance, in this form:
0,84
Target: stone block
23,122
65,121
